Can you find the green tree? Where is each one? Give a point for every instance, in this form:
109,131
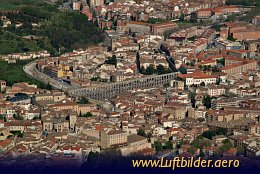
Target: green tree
231,18
209,134
35,118
158,146
221,61
88,114
150,70
169,145
226,146
207,101
240,2
142,69
149,140
166,85
20,46
141,132
149,136
231,38
215,69
200,142
94,78
2,117
160,69
83,100
216,26
92,156
17,133
154,20
1,24
206,67
193,18
192,96
240,150
179,144
9,136
196,142
191,150
218,82
40,43
20,135
182,17
111,60
202,154
17,117
221,131
48,87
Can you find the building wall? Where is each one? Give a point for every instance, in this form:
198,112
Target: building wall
95,3
204,14
139,28
161,28
2,85
191,81
246,35
133,148
241,68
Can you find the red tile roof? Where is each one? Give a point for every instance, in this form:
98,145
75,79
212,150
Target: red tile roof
196,75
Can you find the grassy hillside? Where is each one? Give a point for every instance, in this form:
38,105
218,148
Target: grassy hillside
56,29
13,73
11,43
16,4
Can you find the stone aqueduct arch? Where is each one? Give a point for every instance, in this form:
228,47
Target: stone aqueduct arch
111,90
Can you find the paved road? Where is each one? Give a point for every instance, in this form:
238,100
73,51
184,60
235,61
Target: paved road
31,70
167,57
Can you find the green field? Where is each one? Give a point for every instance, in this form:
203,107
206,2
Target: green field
13,73
9,43
15,4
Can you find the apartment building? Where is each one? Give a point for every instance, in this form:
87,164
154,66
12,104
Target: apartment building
256,20
66,104
135,144
240,67
227,45
214,90
76,5
232,125
59,123
54,96
160,28
112,138
254,129
223,116
245,54
138,27
204,13
197,78
218,104
95,3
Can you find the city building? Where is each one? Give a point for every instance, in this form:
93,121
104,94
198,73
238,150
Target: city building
112,138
